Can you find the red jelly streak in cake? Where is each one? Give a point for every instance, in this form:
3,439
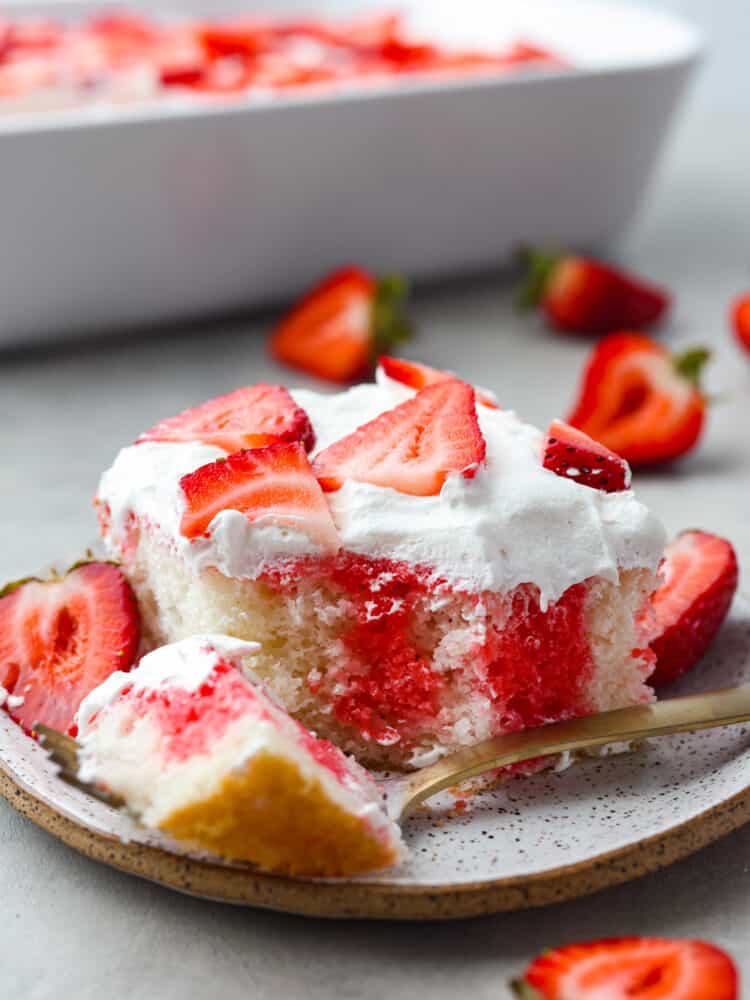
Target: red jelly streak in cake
535,669
324,753
541,661
387,686
104,515
130,535
193,721
388,683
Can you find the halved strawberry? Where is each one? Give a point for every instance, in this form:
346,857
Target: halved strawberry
36,33
250,417
583,295
61,638
412,448
275,485
524,52
417,375
630,968
337,330
244,37
639,400
368,31
741,321
698,580
574,455
119,24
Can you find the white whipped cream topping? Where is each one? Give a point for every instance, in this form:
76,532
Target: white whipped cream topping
145,480
514,522
185,664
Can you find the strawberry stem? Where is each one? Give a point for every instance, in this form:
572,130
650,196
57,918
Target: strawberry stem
539,266
524,991
690,364
390,323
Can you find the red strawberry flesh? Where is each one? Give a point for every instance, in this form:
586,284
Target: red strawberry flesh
61,638
574,455
274,485
633,968
698,581
741,321
412,448
586,296
417,375
329,333
636,400
250,417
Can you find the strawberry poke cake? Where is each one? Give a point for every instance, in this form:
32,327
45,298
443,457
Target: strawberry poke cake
420,568
114,58
195,746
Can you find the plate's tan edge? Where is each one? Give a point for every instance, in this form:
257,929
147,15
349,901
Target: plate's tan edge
375,900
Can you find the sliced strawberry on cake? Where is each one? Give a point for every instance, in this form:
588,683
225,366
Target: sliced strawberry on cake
631,968
574,455
428,584
198,748
417,376
273,485
412,448
60,638
640,401
698,579
250,417
338,329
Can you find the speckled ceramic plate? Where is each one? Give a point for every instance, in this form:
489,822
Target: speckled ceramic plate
533,841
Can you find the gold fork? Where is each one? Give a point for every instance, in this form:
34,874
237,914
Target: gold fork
63,750
403,794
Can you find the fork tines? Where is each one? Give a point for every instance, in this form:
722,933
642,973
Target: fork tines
63,750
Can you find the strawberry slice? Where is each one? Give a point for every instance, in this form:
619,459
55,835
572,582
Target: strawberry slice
417,376
640,401
61,638
274,485
629,969
337,330
119,25
574,455
698,580
412,448
741,321
251,417
583,295
367,31
240,37
35,34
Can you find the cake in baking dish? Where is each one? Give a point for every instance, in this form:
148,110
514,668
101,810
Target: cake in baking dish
198,748
421,569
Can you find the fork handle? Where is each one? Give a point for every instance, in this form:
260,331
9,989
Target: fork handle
676,715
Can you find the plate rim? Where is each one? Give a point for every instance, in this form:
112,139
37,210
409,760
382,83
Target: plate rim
378,900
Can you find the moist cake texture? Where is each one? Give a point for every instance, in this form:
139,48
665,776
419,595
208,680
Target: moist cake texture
197,747
510,597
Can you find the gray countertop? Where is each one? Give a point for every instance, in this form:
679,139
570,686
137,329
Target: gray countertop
75,928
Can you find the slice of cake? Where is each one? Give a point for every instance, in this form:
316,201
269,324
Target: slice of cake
421,569
199,749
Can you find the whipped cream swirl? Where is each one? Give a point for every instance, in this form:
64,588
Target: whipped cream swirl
515,522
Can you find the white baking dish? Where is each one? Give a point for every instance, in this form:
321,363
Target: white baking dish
157,214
